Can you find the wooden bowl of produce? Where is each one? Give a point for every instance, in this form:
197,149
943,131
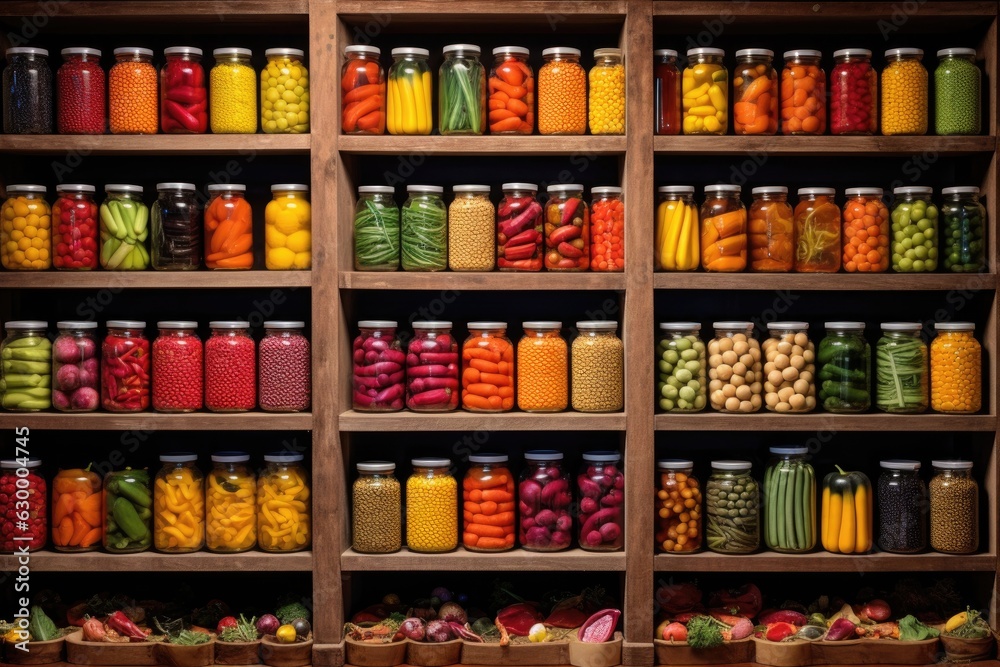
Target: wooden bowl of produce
375,654
276,654
593,654
111,654
237,653
491,653
182,655
959,649
680,653
789,653
433,654
38,653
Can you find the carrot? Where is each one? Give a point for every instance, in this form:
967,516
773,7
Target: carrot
509,539
504,368
371,121
91,538
760,85
499,95
507,125
222,233
469,539
511,75
517,106
468,516
363,108
732,245
506,507
470,506
499,480
482,389
485,366
496,403
709,234
363,92
484,530
92,518
517,92
244,261
496,379
475,402
481,353
728,224
505,392
80,529
757,226
487,507
768,264
507,403
469,376
475,495
65,531
726,264
508,354
493,543
496,495
239,245
64,507
497,104
501,519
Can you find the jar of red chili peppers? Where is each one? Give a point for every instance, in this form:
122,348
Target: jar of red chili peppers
567,229
519,228
125,367
74,213
667,94
607,244
80,90
183,97
362,87
432,368
285,368
230,367
178,367
23,528
853,93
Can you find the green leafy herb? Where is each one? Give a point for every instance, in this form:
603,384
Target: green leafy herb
912,630
287,613
190,638
41,627
705,632
243,631
975,627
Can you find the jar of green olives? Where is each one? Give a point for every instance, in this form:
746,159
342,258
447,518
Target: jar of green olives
732,505
681,367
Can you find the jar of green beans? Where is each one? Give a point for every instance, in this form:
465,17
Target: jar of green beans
425,229
462,91
901,373
376,229
732,508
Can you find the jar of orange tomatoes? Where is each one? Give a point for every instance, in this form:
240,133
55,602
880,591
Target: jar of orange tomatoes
487,368
607,229
866,231
817,231
771,230
803,93
755,88
488,504
678,503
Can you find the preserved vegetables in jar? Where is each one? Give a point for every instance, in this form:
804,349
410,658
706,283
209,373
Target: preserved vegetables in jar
914,230
902,497
288,228
682,368
178,367
284,93
25,241
845,367
74,243
901,373
723,229
33,533
607,93
471,223
431,507
601,485
124,229
284,521
424,233
432,368
76,368
772,230
956,369
954,508
285,367
667,92
128,512
597,368
377,525
542,368
487,368
544,493
803,93
519,228
963,246
677,247
853,93
26,375
488,502
183,98
132,92
735,372
567,229
790,491
409,102
755,92
77,523
789,368
904,93
179,505
562,92
80,92
378,373
957,93
176,228
228,228
462,92
362,91
125,367
732,508
678,508
607,218
230,367
511,88
27,91
233,92
705,88
866,231
230,504
817,231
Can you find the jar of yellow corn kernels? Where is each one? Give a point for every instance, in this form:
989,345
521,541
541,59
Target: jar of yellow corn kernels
230,504
431,507
284,93
607,93
904,93
25,241
956,369
562,92
283,516
233,92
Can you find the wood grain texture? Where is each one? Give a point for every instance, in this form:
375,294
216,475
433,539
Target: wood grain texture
156,144
824,145
771,421
158,421
889,282
823,562
574,560
150,561
477,145
479,11
497,280
818,10
234,10
153,279
471,421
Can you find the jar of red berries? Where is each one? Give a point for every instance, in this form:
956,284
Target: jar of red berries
80,92
23,505
230,367
178,369
285,368
74,215
853,93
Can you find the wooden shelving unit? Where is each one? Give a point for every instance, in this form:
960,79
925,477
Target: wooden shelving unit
159,421
461,560
823,562
156,144
201,561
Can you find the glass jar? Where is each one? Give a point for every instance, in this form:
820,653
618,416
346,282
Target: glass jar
866,231
954,508
914,230
956,369
789,368
957,93
677,220
74,242
230,367
176,228
30,530
567,229
80,90
562,92
723,229
128,511
125,367
682,368
489,523
27,367
817,231
963,246
378,373
25,241
902,503
853,93
230,504
597,368
607,93
792,481
512,88
772,230
735,372
542,368
284,93
545,492
432,368
233,92
901,372
288,228
667,92
519,228
732,507
179,504
431,507
410,93
124,229
803,93
284,521
178,367
132,92
471,223
76,510
607,241
377,509
183,98
487,351
601,489
362,90
228,210
845,367
27,91
705,100
755,87
285,367
376,229
424,233
76,383
462,91
678,508
904,93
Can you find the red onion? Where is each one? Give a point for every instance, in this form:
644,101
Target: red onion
268,624
413,628
439,631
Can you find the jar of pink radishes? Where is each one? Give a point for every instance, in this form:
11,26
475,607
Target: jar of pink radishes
601,485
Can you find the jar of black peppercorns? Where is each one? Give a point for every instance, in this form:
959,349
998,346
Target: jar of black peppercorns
27,91
902,507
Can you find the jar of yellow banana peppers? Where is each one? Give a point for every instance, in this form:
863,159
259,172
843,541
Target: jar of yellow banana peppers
179,505
283,515
231,511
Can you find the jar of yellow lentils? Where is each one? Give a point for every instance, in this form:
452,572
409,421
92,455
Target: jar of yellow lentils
230,504
562,92
956,369
288,228
283,515
179,504
284,93
233,92
377,512
542,368
607,93
25,241
431,507
904,93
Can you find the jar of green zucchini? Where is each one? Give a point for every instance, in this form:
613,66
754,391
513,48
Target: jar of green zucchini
425,229
376,229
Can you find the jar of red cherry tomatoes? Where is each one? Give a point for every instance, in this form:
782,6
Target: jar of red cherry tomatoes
853,93
80,92
125,367
74,243
607,229
183,98
178,367
23,526
230,367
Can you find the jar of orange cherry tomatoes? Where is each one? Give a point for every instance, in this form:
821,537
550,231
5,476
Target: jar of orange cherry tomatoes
607,229
866,231
678,503
755,88
803,93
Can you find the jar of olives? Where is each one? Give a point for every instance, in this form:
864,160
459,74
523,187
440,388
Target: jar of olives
732,505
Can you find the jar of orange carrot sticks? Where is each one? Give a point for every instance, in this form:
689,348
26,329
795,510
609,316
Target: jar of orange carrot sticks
723,229
511,91
228,228
542,368
487,368
771,230
488,504
866,231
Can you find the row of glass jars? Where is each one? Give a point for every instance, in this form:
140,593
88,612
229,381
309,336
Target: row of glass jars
697,100
75,234
430,373
541,516
726,516
788,374
178,373
569,99
178,100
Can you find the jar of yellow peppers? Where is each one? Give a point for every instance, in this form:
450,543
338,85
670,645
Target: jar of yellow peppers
431,507
956,369
705,92
408,109
607,93
179,505
283,516
904,93
231,511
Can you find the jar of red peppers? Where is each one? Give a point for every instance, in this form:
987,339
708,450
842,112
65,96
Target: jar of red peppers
230,367
378,373
285,368
178,367
519,228
567,229
80,92
488,368
853,93
125,367
755,88
601,486
488,504
74,243
607,243
362,89
183,96
432,368
23,527
803,93
76,368
545,496
667,93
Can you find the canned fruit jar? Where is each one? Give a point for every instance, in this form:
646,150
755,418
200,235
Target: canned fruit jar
789,368
519,228
678,508
183,98
735,371
230,367
488,368
542,368
817,231
288,228
667,92
232,87
544,499
904,93
705,92
511,88
607,93
432,368
914,230
362,90
723,229
901,369
488,504
607,218
27,91
176,228
128,511
132,92
230,504
283,516
567,229
74,243
562,92
772,230
377,510
410,92
228,228
378,370
431,507
81,92
962,233
853,93
844,359
376,229
25,241
124,229
866,231
26,377
36,528
803,93
601,485
597,368
956,369
178,368
284,93
76,367
682,368
755,91
732,508
125,367
76,510
285,367
677,244
179,504
471,221
462,92
957,93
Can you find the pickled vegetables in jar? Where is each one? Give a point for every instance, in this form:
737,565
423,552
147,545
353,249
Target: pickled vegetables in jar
567,229
607,93
803,93
284,93
956,369
904,93
288,228
231,510
362,90
817,231
755,91
914,230
705,88
179,505
853,93
963,244
723,229
562,92
771,230
408,109
128,511
228,228
667,92
488,504
679,509
487,368
607,217
25,238
866,231
519,228
283,516
542,368
511,88
76,510
462,92
677,247
431,507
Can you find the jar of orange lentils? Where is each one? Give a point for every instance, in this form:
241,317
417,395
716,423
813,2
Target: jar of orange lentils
132,92
866,231
562,92
956,369
542,368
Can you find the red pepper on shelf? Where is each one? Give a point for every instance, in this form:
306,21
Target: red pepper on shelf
124,626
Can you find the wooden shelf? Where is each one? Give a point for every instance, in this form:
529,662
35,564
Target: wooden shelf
575,560
156,144
823,562
825,145
888,282
482,14
823,421
151,561
158,421
465,421
151,9
816,11
497,280
481,145
153,279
